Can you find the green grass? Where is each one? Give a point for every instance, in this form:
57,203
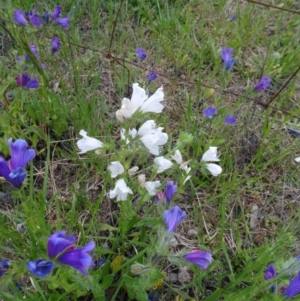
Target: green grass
82,89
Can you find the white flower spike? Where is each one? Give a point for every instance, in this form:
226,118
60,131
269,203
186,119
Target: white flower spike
140,101
115,168
162,163
211,155
121,191
152,187
87,143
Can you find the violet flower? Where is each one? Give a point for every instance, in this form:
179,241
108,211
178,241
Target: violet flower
293,288
56,12
26,81
201,258
40,268
46,17
55,43
19,18
227,58
173,217
270,272
34,51
151,76
35,20
63,22
230,120
210,112
12,170
62,248
4,266
263,84
171,189
140,52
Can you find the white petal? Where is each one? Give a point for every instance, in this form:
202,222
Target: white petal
177,157
139,95
115,168
152,104
151,187
148,127
87,143
186,179
210,155
163,164
121,191
214,169
119,115
297,159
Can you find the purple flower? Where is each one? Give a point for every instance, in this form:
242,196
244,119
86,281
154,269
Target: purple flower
56,12
19,17
233,18
230,120
40,268
171,189
201,258
46,17
270,272
227,58
263,84
140,52
34,51
63,22
25,81
294,288
173,217
210,112
4,266
55,42
62,248
12,170
35,20
151,76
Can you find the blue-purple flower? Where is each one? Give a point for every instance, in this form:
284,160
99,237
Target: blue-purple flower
34,51
56,12
263,84
293,288
55,43
140,52
26,81
173,217
201,258
227,58
13,170
61,247
4,266
40,268
230,120
151,76
19,17
210,112
63,22
171,189
34,19
270,272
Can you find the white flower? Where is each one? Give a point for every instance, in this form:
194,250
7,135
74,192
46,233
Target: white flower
151,187
297,159
162,163
115,168
87,143
132,133
177,157
152,137
121,191
140,101
211,155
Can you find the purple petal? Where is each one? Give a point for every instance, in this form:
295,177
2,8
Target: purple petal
17,176
55,42
171,189
40,268
270,272
34,50
263,84
59,242
227,58
210,112
79,259
4,169
56,12
33,84
200,258
173,217
230,120
20,155
22,80
63,22
19,17
140,52
35,20
294,288
4,266
151,77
